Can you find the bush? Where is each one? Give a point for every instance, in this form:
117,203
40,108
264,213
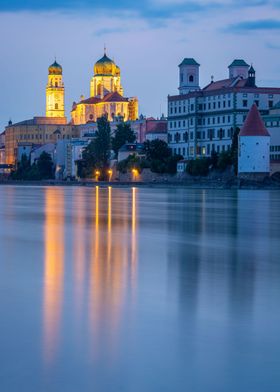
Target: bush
199,167
224,160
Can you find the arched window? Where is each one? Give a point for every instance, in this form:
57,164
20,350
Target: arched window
191,78
56,84
56,106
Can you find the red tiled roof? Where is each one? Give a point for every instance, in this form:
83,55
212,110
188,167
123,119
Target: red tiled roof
91,100
156,126
225,83
254,125
114,97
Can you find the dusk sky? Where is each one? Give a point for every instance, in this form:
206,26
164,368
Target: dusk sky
147,39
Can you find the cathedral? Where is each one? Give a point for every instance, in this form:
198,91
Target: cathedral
106,96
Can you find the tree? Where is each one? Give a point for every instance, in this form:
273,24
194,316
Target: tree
157,149
234,149
97,154
124,134
102,143
22,168
45,166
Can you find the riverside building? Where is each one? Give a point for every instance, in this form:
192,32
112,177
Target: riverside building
202,120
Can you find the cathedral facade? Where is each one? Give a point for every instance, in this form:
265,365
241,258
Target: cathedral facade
106,96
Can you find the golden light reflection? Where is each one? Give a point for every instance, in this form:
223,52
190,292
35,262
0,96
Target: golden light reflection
54,271
110,271
133,236
79,246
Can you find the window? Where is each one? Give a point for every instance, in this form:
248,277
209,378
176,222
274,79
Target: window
270,104
56,106
191,78
245,103
257,102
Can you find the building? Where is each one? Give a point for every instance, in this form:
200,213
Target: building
272,123
253,146
55,92
131,149
106,96
37,131
144,128
68,152
42,130
202,120
49,148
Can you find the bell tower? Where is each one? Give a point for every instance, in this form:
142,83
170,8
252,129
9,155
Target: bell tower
188,76
55,92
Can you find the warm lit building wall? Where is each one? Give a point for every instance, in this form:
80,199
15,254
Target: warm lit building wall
37,131
55,92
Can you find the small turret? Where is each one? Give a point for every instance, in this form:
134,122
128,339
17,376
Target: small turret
251,82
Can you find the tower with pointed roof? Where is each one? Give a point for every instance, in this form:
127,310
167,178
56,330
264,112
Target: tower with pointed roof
55,92
254,146
188,76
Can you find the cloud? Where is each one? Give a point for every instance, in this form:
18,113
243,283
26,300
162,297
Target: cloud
255,25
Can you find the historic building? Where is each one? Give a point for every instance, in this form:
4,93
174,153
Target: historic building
55,92
106,96
253,146
202,120
41,130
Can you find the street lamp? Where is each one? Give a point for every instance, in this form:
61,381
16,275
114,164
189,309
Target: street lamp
110,172
97,174
134,173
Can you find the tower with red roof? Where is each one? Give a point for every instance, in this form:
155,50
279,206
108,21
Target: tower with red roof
254,146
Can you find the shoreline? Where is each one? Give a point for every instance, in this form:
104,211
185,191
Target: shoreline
234,184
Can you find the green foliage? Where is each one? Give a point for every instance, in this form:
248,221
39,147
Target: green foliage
131,162
97,154
234,150
102,143
157,150
224,160
44,167
42,170
199,167
124,134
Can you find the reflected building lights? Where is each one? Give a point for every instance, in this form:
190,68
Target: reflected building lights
54,271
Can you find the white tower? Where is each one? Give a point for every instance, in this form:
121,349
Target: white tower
253,146
188,76
238,68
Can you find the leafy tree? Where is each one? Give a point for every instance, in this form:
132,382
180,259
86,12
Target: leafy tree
124,134
171,163
131,162
234,149
199,167
224,160
45,166
102,144
88,164
157,149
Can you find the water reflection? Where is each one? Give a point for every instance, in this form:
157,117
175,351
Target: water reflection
54,271
109,269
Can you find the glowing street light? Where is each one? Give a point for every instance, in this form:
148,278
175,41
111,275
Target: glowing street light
97,175
110,172
134,173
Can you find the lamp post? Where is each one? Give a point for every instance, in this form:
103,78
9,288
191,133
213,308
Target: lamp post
97,175
110,172
134,173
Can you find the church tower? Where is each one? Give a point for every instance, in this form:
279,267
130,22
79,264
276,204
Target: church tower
188,76
55,92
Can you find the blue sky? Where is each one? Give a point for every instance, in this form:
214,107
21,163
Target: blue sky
147,40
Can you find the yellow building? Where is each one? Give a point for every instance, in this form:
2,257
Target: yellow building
106,96
42,130
37,131
55,92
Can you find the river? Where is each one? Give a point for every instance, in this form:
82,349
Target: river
139,289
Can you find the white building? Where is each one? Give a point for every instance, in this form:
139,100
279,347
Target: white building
253,146
202,120
68,152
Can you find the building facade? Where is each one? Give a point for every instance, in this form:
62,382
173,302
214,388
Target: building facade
106,96
202,120
253,146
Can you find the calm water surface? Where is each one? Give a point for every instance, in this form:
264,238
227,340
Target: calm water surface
107,289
